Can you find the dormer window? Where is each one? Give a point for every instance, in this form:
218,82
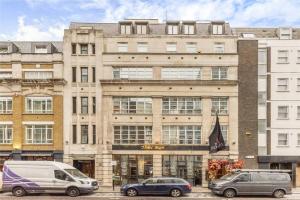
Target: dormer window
172,29
217,29
188,29
141,29
41,49
248,35
285,33
125,29
4,49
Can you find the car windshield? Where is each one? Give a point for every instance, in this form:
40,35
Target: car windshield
229,177
76,173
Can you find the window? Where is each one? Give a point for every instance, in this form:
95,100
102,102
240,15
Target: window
84,49
217,29
219,47
244,178
220,105
38,75
6,134
122,46
298,112
191,47
74,48
285,33
282,84
41,49
94,74
132,134
84,75
84,134
132,105
5,75
132,73
181,134
172,29
224,130
37,105
125,29
74,74
171,47
141,29
5,105
298,139
181,105
3,49
283,112
142,47
39,134
93,49
94,134
181,73
282,139
94,105
219,73
248,35
298,84
189,29
74,105
74,131
61,175
283,56
84,105
262,56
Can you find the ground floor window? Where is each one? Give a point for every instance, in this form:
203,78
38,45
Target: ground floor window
186,167
132,168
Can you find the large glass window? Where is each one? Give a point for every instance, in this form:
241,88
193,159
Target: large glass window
172,29
38,75
122,46
132,134
181,135
219,73
142,46
189,29
282,84
217,29
125,29
181,73
84,134
191,47
141,29
283,112
84,74
132,105
220,105
181,105
39,134
171,46
84,49
219,47
282,139
5,105
84,105
132,73
38,105
283,56
6,134
5,75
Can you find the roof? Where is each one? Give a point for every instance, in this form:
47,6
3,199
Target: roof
29,46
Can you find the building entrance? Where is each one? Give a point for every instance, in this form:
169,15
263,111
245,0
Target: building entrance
85,166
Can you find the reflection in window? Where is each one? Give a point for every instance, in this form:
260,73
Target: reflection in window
181,105
132,73
134,105
181,135
132,134
181,73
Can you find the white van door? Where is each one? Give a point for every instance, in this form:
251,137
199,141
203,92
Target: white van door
62,180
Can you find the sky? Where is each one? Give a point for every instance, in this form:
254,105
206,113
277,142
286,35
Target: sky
41,20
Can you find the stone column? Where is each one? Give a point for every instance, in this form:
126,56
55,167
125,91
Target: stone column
156,129
106,169
204,169
157,165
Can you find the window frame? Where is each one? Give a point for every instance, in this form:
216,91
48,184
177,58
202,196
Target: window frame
132,134
172,29
141,29
5,128
44,101
142,47
84,132
84,76
122,47
187,29
133,73
177,103
181,134
125,29
171,47
84,107
286,113
84,51
6,105
285,141
218,29
219,47
125,105
221,72
219,101
33,129
181,73
280,57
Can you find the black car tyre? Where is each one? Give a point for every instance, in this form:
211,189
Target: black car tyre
73,192
131,192
18,191
229,193
279,194
175,193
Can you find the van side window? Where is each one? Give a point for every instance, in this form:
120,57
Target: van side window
244,178
260,177
62,175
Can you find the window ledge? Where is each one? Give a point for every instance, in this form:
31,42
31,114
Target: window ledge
282,63
35,144
282,146
282,118
6,144
184,114
26,113
134,114
6,113
282,90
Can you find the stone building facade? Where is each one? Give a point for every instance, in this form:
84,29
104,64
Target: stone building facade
31,101
141,98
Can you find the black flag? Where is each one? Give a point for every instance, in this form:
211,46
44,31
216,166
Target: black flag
216,140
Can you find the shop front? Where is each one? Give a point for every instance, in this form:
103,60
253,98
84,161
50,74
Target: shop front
85,166
4,155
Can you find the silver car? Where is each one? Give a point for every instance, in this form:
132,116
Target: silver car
253,183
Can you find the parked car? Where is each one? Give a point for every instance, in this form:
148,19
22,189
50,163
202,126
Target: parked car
253,182
23,177
174,187
0,181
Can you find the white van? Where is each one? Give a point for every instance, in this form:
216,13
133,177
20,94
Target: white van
22,177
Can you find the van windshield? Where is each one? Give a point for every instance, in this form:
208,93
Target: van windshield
228,177
76,173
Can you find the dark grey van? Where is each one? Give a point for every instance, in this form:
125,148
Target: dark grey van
253,183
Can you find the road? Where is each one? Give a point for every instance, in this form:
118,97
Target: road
117,196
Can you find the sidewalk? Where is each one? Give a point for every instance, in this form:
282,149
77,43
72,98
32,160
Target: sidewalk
105,189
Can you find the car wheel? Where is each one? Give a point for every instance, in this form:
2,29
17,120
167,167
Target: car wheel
229,193
18,191
175,193
73,192
279,194
131,192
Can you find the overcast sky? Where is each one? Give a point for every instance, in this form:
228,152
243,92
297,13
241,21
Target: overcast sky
46,19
